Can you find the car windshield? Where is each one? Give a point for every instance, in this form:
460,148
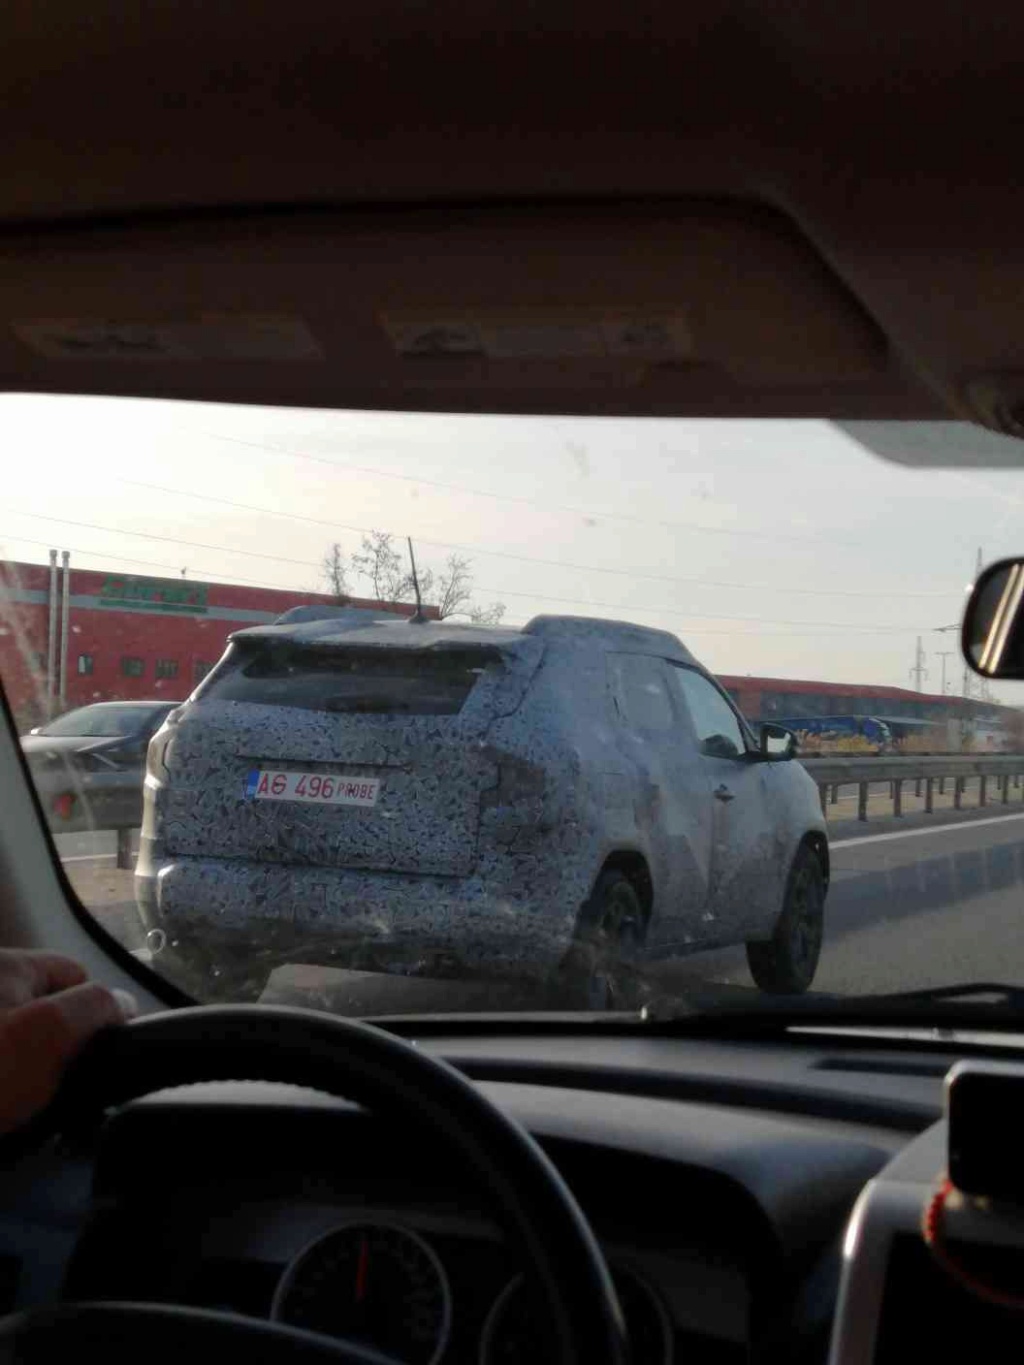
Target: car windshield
497,714
99,722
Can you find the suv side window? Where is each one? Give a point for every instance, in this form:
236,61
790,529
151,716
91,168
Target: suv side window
719,733
641,696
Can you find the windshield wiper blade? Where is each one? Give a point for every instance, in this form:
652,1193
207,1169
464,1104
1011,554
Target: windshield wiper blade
973,1003
980,992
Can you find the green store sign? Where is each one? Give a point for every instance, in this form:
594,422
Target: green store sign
155,594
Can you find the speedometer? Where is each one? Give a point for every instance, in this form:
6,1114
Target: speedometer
373,1283
515,1330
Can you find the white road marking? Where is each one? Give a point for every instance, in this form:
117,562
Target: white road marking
88,857
929,829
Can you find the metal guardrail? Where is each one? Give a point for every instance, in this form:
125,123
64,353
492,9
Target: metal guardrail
924,770
830,773
101,801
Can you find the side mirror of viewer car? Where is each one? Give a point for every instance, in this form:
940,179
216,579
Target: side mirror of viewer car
777,743
992,636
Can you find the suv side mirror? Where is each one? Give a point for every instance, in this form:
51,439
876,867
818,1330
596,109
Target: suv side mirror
777,743
992,637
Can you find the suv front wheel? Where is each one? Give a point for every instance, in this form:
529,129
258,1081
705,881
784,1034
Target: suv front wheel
786,964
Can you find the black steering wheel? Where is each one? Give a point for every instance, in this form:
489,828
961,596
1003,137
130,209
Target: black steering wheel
356,1062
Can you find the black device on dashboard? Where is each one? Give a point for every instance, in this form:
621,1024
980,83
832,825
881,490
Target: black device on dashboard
985,1116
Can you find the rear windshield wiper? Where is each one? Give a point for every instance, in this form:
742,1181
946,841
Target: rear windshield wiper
365,705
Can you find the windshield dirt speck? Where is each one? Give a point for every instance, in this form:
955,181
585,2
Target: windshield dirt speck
408,714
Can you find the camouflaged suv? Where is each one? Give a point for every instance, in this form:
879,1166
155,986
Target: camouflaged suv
562,801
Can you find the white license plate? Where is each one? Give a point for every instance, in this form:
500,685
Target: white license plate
317,789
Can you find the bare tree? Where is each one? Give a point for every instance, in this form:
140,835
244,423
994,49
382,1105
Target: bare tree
335,574
380,562
487,616
449,590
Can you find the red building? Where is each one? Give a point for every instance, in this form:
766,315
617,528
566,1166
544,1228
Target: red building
764,698
125,637
942,721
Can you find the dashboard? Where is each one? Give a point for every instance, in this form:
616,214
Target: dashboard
719,1178
335,1222
420,1286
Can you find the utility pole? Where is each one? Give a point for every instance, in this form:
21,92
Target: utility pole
918,672
967,732
966,688
65,606
51,652
967,671
944,654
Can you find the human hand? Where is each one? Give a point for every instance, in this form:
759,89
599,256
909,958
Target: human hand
48,1010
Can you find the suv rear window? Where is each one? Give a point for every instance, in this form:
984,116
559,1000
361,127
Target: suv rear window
350,681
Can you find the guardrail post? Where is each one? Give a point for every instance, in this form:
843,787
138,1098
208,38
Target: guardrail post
124,849
995,775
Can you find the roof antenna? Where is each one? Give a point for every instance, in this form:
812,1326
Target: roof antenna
417,618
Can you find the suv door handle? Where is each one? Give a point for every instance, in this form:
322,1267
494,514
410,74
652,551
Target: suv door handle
724,794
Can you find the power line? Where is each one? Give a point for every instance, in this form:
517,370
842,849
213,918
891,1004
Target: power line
543,504
145,563
168,540
508,554
573,601
692,616
656,611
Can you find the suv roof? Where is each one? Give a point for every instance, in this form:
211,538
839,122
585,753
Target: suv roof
609,635
361,628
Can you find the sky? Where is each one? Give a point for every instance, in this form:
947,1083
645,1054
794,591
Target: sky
778,548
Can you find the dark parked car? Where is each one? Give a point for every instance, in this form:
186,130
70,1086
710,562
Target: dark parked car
89,764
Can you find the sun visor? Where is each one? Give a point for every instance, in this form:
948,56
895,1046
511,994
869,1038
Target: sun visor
689,308
950,445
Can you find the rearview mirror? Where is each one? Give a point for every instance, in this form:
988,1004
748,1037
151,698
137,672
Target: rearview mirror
777,743
992,638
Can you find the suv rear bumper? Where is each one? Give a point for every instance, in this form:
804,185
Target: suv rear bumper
374,921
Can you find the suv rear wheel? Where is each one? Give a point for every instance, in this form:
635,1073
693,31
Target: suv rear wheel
786,964
600,968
